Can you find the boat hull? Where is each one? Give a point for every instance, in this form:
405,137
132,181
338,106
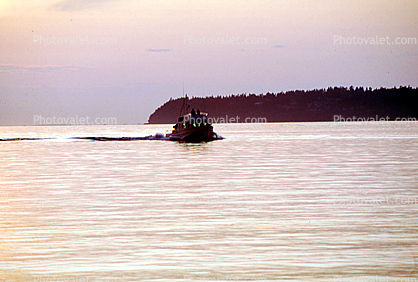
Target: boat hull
193,134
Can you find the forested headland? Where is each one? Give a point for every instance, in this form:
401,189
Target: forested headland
300,105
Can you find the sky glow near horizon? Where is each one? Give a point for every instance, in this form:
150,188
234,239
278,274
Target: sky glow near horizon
124,58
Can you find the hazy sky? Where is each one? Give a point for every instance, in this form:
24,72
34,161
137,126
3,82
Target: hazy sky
124,58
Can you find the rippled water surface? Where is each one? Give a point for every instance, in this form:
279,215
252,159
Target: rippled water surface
273,202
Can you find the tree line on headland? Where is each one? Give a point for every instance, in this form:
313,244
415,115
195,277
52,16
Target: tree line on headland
301,106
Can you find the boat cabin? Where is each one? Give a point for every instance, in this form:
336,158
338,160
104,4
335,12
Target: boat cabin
189,120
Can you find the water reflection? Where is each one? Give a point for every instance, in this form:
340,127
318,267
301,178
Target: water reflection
272,204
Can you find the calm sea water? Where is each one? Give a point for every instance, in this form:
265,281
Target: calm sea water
272,202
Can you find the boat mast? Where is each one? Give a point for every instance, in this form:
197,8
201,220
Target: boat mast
184,106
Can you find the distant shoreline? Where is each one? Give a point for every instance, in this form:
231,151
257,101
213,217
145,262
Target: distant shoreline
337,104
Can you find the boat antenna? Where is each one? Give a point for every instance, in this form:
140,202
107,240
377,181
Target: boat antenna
184,106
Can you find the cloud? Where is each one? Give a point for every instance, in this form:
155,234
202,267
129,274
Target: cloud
279,46
22,69
75,5
159,50
408,54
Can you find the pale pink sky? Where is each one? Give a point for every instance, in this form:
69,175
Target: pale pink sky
124,58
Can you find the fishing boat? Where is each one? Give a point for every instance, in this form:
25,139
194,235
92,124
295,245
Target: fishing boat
192,127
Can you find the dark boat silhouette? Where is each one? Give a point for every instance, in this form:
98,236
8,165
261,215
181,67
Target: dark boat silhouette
192,127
